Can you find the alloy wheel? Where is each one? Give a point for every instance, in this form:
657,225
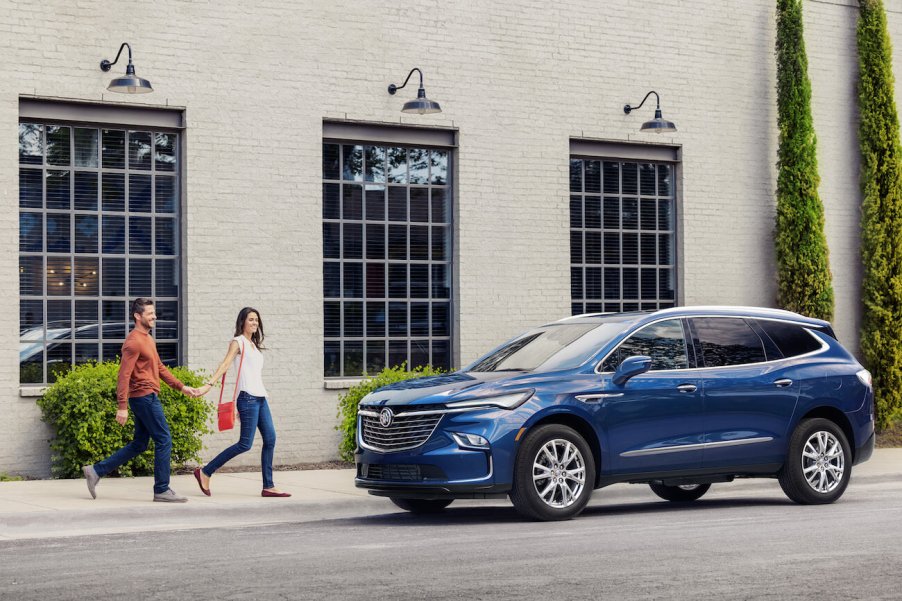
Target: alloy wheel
559,473
823,461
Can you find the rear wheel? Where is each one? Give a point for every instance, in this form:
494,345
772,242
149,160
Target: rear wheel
421,505
554,474
818,465
680,494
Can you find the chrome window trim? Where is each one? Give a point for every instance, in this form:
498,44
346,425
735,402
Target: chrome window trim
591,399
695,447
806,327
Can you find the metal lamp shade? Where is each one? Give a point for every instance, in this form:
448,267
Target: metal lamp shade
421,105
130,84
658,125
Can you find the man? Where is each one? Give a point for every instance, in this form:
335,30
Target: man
138,387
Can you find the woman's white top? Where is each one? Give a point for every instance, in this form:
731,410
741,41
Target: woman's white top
251,378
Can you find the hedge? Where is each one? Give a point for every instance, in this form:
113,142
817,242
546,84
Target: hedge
81,408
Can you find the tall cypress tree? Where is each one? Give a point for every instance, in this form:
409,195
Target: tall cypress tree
881,212
803,270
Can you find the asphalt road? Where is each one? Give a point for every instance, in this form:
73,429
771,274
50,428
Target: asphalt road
741,541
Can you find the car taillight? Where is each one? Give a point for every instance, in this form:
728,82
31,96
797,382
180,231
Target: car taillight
864,376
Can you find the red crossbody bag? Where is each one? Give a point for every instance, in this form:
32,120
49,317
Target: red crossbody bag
227,410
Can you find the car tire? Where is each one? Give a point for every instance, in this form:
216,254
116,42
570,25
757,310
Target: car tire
818,465
554,474
679,494
421,505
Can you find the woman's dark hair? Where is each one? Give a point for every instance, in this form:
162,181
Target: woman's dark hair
256,337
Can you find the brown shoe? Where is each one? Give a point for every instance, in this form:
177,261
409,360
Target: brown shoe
272,493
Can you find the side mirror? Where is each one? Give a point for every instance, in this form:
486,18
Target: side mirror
631,366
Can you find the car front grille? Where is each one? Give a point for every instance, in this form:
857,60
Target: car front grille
405,431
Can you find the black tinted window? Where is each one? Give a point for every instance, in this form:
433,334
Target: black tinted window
662,341
728,341
793,340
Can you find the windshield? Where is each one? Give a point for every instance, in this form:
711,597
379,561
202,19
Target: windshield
551,347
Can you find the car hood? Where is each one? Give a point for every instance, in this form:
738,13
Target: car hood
435,389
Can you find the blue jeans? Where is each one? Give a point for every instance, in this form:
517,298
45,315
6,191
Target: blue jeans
254,413
147,411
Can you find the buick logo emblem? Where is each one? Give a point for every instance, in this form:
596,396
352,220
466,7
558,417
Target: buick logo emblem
385,417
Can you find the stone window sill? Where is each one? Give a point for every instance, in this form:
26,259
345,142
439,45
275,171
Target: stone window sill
31,391
342,384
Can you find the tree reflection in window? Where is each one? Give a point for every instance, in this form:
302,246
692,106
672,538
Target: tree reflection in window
662,341
728,341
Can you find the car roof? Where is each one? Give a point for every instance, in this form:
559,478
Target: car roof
696,311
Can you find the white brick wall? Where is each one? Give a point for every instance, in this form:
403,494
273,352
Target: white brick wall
256,81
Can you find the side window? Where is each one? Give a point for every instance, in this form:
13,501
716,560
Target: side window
793,340
728,341
662,341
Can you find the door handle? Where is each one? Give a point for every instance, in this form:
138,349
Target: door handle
687,387
783,382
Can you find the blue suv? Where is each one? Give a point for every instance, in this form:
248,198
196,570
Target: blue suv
678,399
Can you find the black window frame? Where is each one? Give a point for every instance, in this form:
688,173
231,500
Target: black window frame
145,123
336,363
608,275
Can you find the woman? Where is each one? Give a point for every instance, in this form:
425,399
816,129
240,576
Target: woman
253,408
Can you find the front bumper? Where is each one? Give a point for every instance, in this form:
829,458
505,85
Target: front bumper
441,468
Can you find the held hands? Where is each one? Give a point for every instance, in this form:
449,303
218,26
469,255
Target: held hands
196,392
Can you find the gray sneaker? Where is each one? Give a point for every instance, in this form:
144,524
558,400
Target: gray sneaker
92,479
169,497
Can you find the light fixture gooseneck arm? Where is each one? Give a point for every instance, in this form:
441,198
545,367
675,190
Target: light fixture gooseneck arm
106,65
627,108
392,88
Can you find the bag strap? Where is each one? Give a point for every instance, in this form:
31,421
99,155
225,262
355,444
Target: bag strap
237,378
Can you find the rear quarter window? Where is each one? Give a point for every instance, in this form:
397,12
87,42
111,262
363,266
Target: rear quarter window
792,339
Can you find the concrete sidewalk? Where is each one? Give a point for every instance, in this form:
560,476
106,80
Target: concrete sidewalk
57,508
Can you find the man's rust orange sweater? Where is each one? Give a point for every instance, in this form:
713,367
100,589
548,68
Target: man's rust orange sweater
141,369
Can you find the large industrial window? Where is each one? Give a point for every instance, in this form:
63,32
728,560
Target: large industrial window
98,226
621,235
386,256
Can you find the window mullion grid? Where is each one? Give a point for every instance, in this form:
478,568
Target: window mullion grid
72,213
341,265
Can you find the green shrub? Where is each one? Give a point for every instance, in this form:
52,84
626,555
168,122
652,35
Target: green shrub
347,403
881,212
81,408
4,477
803,269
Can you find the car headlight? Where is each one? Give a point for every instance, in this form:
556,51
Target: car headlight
511,400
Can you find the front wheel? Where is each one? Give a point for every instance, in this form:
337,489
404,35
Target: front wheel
818,465
679,494
421,505
554,474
